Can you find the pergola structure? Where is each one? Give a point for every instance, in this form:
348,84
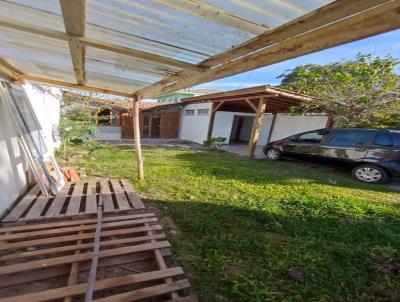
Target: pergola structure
140,49
259,100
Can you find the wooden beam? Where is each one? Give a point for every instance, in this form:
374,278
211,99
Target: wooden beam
136,137
74,14
325,15
367,23
73,85
12,72
54,34
251,105
257,124
213,14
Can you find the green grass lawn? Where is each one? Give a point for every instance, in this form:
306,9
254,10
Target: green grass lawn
243,223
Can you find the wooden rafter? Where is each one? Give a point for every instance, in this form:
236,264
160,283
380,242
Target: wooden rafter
11,71
54,34
382,18
74,14
73,85
214,14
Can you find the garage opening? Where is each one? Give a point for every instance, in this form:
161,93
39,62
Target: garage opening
241,129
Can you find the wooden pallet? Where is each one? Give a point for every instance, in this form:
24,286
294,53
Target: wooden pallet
50,261
76,199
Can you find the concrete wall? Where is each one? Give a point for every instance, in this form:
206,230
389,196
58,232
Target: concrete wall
46,105
194,128
13,167
286,125
108,133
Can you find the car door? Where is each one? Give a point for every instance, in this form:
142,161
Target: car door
348,144
382,148
307,143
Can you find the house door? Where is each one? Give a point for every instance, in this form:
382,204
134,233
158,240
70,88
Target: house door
169,125
155,127
126,126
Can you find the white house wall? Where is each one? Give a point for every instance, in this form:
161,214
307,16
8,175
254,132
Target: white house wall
46,105
286,125
108,133
194,128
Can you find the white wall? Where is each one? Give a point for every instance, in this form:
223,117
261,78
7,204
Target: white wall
13,182
108,133
12,165
195,128
286,124
46,105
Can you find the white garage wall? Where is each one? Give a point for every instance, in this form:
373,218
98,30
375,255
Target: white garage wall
108,133
46,104
195,128
224,120
286,124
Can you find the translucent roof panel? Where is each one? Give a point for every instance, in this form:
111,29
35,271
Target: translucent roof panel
182,31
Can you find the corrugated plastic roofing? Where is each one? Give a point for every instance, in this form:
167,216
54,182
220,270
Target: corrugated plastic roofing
161,27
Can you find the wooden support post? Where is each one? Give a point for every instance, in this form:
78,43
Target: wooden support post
271,129
136,137
257,124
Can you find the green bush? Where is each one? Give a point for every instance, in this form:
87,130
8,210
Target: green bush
214,142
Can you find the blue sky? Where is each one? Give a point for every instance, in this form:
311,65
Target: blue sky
381,45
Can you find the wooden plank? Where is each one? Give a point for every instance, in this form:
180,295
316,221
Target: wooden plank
37,208
251,104
75,200
367,23
122,200
91,198
78,289
257,124
21,206
106,194
136,138
52,225
82,246
8,69
133,197
69,238
69,230
37,264
147,292
56,271
58,202
74,15
213,14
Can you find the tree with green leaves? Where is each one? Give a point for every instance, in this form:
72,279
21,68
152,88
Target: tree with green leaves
364,92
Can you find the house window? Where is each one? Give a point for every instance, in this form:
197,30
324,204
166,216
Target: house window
202,112
189,112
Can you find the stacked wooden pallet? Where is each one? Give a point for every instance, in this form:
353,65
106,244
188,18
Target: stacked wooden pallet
76,199
50,261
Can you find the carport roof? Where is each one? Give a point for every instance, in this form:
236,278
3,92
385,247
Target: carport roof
277,99
145,48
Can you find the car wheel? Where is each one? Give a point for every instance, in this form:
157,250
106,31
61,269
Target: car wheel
273,154
370,174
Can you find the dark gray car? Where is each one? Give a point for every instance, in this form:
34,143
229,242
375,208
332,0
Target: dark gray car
373,154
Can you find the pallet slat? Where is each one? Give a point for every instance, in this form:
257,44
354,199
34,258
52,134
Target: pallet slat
133,197
75,200
58,202
91,198
37,264
108,204
122,200
80,289
20,208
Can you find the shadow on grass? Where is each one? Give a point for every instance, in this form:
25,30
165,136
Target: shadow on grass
230,166
244,254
